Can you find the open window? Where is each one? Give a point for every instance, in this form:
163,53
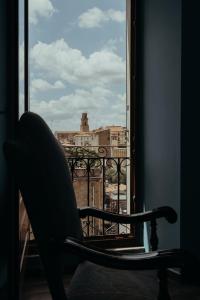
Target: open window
78,65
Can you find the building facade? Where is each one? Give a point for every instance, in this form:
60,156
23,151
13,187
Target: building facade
97,161
113,138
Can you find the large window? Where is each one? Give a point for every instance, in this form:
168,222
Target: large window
77,77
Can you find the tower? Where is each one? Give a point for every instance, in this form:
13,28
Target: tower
84,123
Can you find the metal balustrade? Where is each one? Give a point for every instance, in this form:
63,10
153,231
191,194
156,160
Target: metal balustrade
100,180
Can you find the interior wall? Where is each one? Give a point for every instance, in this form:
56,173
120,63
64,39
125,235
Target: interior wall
8,116
190,153
3,206
159,108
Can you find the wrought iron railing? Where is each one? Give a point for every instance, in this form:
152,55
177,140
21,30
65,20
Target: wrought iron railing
99,175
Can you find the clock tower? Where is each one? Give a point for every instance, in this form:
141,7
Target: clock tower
84,123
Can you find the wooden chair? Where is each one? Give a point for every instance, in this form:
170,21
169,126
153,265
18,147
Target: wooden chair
39,163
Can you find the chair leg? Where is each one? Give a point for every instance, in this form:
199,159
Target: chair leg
53,266
163,285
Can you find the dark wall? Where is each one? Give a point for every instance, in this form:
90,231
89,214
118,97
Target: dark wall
168,115
8,118
159,109
190,150
3,250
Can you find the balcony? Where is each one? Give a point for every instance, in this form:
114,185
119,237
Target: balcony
99,175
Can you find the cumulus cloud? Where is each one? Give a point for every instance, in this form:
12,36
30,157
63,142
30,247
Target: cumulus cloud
59,60
40,8
112,44
101,104
116,15
95,17
41,85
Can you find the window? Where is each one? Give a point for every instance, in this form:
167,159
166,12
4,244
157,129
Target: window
77,77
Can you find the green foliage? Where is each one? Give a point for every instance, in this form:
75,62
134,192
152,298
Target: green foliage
80,152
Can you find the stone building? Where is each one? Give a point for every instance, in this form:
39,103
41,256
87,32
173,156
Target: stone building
87,167
66,137
109,136
86,139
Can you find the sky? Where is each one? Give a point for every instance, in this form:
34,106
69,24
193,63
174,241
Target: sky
77,61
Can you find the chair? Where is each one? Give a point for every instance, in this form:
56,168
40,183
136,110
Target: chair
39,164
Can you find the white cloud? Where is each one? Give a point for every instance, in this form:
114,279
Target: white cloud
40,8
95,17
58,85
58,60
112,44
66,105
41,85
103,106
116,15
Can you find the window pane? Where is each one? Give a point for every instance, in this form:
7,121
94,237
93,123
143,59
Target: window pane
78,85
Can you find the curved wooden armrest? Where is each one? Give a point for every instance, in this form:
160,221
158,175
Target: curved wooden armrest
151,260
161,212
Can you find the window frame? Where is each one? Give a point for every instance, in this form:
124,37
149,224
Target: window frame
131,91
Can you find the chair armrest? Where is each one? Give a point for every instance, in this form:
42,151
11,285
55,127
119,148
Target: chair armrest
151,260
161,212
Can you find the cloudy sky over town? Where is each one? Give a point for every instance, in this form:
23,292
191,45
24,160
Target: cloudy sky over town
77,60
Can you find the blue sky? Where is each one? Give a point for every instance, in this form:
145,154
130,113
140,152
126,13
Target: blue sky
77,62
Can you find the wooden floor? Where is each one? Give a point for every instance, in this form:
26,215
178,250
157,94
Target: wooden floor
34,285
36,288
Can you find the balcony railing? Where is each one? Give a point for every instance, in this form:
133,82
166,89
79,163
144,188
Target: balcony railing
99,175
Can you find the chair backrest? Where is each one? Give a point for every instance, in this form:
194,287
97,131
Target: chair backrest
46,188
45,181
